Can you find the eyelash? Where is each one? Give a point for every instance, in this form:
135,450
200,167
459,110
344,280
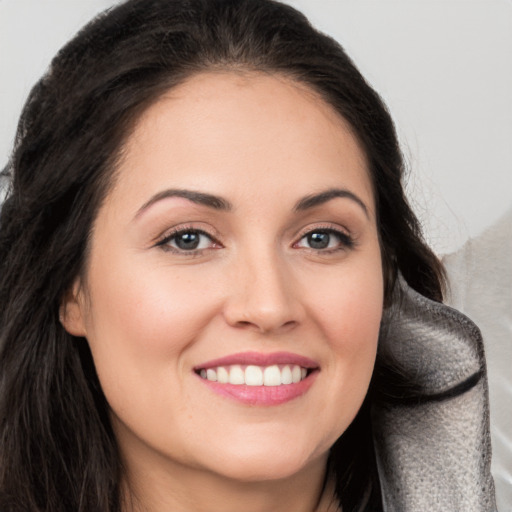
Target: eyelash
164,243
346,242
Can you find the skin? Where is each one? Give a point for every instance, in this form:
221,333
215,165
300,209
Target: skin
153,312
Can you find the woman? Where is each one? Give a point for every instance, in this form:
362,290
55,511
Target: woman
205,227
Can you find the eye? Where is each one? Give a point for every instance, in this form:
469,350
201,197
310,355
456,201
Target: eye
322,239
187,240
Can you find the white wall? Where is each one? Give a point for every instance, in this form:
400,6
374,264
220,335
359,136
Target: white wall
443,66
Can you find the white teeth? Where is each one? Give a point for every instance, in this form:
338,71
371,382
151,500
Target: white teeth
236,375
253,376
286,375
222,375
273,375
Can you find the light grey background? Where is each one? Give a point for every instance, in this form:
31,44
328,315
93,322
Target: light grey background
444,67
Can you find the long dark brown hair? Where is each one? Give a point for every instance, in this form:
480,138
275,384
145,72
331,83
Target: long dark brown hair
57,449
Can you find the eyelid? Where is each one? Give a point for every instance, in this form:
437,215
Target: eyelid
322,226
347,240
163,240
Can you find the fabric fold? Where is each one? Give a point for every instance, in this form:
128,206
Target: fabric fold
433,443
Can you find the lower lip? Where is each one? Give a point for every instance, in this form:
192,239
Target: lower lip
262,395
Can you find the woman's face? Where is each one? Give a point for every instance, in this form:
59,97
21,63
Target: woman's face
233,293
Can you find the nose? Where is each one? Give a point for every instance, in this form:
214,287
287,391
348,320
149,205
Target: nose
263,296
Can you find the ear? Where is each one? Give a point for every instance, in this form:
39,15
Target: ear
72,310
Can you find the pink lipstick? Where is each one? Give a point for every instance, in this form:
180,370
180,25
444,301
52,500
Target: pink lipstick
255,378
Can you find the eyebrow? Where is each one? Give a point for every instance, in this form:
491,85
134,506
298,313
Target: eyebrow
323,197
219,203
202,198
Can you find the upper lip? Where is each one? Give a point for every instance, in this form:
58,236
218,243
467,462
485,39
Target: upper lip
260,359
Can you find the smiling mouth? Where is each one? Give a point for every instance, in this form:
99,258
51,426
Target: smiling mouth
257,379
252,375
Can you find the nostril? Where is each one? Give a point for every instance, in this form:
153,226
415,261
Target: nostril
244,323
266,328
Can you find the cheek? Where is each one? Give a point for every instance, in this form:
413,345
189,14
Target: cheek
141,323
140,329
148,302
350,307
349,313
353,337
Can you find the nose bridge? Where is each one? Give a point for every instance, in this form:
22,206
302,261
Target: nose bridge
263,293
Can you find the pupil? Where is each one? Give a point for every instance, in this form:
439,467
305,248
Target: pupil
188,240
318,240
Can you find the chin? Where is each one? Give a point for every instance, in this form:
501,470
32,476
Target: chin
260,461
270,469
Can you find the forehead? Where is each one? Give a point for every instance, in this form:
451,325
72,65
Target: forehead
223,129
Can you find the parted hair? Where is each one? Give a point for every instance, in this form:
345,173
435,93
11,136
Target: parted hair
58,452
